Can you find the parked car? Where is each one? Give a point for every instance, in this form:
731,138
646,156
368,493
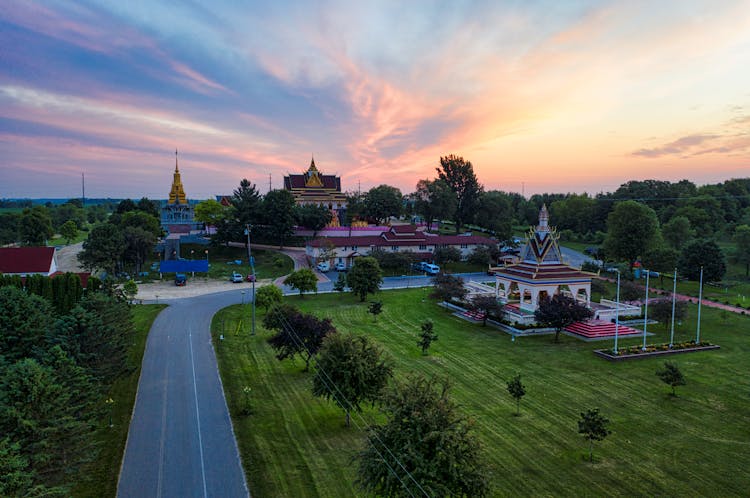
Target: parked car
341,266
236,278
431,269
324,266
180,279
251,277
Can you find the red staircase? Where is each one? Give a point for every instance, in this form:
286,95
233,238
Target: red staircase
474,315
595,329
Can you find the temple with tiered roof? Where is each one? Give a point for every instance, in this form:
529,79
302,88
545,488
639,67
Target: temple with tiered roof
541,271
313,187
176,212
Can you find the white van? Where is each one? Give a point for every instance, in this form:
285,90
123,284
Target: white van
431,269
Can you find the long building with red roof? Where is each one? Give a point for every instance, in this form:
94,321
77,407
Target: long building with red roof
399,238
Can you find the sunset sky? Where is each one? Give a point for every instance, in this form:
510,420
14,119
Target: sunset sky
542,96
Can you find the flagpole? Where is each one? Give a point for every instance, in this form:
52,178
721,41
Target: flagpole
700,300
645,312
617,311
674,300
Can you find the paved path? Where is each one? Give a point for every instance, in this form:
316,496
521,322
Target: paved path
181,443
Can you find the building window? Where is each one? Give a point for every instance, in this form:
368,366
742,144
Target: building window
422,248
464,246
394,248
354,248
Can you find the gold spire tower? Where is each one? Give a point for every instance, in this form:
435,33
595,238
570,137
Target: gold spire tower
177,194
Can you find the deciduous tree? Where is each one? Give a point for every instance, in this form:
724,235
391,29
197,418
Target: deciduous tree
69,231
560,311
427,336
434,200
35,226
661,311
460,177
593,427
705,253
303,280
267,296
671,376
103,248
486,304
426,436
375,308
364,277
448,287
350,370
297,333
632,230
382,202
741,253
517,390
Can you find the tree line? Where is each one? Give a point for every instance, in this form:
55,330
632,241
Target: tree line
61,349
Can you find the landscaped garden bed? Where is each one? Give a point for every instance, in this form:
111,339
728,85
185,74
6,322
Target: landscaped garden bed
634,352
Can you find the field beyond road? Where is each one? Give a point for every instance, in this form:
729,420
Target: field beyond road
695,444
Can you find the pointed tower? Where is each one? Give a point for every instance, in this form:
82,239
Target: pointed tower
177,213
177,193
313,176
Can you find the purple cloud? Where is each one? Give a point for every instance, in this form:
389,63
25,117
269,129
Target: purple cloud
679,146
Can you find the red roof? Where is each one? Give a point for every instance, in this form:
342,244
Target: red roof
398,236
26,259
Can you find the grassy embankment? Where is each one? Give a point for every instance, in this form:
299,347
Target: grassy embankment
100,478
695,444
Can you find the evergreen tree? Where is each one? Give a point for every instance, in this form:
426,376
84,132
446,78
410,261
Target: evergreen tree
24,321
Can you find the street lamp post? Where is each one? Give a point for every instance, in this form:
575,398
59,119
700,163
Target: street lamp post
674,301
617,311
645,312
253,329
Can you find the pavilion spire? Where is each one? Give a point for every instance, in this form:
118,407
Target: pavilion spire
176,168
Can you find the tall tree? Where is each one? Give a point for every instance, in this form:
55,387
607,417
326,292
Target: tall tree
149,207
210,212
313,217
426,436
303,280
560,311
434,200
382,202
364,277
139,243
24,321
103,248
246,203
35,226
460,177
677,231
297,333
279,215
632,230
741,253
69,231
495,214
702,253
593,427
350,370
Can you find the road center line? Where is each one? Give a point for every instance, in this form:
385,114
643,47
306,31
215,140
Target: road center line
197,413
163,436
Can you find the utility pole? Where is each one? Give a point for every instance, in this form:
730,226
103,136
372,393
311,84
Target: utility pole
83,190
252,267
269,182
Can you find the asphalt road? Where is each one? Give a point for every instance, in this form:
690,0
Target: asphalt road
181,443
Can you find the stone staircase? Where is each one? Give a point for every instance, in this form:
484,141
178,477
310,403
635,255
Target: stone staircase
595,329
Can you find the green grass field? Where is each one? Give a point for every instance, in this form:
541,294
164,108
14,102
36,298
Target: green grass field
100,478
268,263
697,444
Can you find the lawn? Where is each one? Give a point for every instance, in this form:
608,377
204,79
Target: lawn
268,263
101,476
695,444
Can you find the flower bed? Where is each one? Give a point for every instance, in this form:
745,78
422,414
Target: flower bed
634,352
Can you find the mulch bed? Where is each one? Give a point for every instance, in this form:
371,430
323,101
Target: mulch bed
607,355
